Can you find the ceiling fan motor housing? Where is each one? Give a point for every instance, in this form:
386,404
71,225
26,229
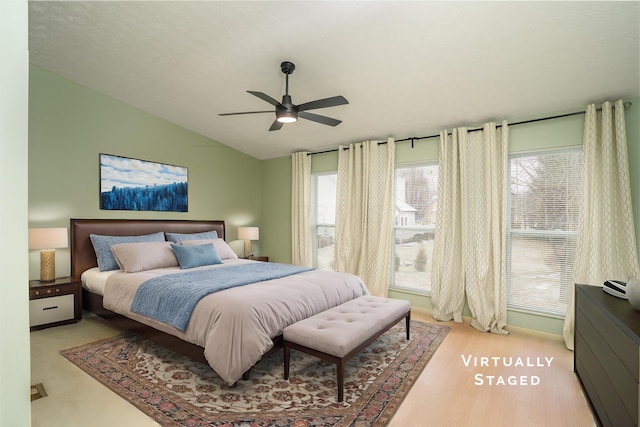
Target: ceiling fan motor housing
286,112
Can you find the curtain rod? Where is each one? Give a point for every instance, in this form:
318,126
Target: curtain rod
627,105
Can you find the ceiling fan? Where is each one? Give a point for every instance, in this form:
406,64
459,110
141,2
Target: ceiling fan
287,112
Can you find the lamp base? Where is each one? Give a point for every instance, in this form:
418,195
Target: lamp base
47,265
247,248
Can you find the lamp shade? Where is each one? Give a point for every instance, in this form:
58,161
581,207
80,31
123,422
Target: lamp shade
48,238
248,233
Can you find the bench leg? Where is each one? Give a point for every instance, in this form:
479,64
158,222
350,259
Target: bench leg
287,355
340,374
408,319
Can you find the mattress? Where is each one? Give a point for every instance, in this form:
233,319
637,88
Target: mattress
94,280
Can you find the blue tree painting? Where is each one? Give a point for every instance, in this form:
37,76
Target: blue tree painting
139,185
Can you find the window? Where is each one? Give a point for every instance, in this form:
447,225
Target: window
324,209
542,229
416,201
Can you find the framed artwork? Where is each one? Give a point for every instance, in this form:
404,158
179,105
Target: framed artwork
140,185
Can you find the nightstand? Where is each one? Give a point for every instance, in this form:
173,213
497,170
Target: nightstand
259,258
54,303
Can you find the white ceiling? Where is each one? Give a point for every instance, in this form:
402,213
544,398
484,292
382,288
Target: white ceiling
407,68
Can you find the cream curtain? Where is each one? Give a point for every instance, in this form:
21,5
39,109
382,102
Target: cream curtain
469,255
364,212
301,228
606,245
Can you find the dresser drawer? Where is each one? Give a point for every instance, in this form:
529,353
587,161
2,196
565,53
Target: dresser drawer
49,310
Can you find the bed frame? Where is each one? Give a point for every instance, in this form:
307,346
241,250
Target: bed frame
83,257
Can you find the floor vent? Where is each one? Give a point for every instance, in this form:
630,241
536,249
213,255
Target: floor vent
37,391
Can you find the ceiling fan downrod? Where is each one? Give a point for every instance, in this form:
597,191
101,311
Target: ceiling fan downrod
288,114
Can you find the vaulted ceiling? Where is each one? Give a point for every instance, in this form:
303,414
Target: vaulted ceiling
406,68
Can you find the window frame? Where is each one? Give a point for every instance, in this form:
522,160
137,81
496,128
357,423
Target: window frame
531,232
314,213
418,228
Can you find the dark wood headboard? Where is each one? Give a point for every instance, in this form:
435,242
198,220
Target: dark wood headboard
83,256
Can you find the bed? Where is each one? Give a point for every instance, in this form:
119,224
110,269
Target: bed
232,329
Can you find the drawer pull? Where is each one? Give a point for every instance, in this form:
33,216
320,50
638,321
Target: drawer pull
50,308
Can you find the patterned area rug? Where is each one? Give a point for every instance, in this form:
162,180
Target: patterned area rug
176,391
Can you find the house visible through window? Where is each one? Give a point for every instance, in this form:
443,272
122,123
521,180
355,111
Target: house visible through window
416,201
324,209
541,232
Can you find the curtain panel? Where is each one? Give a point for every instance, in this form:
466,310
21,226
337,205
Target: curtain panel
469,255
606,245
364,212
301,226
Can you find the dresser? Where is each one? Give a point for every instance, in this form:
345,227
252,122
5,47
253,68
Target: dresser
607,355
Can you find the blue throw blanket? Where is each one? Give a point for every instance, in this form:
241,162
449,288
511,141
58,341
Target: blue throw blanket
172,298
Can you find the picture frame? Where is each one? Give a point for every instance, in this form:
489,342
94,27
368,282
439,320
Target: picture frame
141,185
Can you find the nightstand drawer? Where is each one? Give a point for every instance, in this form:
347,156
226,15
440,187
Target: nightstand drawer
50,310
49,291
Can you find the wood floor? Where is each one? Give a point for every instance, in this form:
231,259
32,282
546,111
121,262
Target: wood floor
453,391
446,394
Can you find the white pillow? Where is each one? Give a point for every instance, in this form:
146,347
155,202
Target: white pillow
102,246
222,248
134,257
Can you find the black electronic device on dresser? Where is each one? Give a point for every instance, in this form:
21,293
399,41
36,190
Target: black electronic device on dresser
54,303
607,355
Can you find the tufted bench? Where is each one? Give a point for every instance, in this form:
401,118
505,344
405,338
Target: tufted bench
338,334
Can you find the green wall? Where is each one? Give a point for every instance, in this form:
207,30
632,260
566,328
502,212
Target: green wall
545,134
633,142
69,125
15,374
275,235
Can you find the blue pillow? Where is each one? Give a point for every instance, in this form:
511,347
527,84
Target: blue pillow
102,247
179,237
196,256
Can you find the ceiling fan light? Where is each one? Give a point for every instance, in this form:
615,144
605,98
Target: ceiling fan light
287,117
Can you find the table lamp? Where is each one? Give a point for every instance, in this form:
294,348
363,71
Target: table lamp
48,240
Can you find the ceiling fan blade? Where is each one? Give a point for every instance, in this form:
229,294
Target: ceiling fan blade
265,97
318,118
245,112
276,125
323,103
